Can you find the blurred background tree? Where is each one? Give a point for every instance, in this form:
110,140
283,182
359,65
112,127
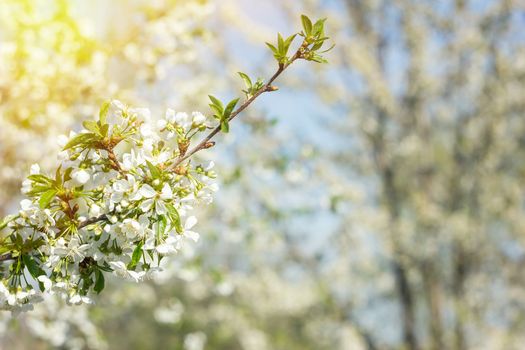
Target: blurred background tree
376,203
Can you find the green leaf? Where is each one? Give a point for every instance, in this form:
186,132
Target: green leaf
161,227
105,267
99,281
225,126
280,44
5,221
246,79
258,84
317,45
288,42
135,257
32,266
155,172
229,108
41,179
318,27
174,218
307,25
79,140
4,248
318,59
217,106
328,49
218,111
38,189
58,176
46,198
104,130
19,241
104,112
215,101
91,126
67,174
273,48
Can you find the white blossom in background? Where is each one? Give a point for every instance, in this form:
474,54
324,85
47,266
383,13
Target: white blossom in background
195,341
60,59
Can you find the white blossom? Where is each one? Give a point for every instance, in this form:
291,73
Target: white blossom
80,176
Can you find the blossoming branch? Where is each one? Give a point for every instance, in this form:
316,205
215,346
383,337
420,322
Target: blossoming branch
121,198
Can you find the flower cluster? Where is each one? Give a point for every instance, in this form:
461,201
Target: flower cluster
119,202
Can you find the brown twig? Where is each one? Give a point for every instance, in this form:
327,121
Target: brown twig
113,160
92,220
5,257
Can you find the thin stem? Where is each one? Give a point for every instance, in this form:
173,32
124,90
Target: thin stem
5,257
92,220
266,88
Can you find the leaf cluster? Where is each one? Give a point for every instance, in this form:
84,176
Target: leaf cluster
251,87
221,113
280,51
314,39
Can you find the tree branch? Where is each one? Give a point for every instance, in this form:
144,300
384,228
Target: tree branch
268,87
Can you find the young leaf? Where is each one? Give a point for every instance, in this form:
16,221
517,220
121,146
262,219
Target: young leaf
318,27
104,130
288,42
155,172
46,198
41,179
225,126
99,281
318,44
246,79
280,44
216,106
105,267
32,266
218,111
307,25
104,112
58,176
6,221
229,108
258,84
161,227
328,49
135,257
318,59
91,126
273,48
67,174
174,218
80,139
215,101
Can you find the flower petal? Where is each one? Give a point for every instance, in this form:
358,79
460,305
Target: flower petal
147,191
190,222
166,193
